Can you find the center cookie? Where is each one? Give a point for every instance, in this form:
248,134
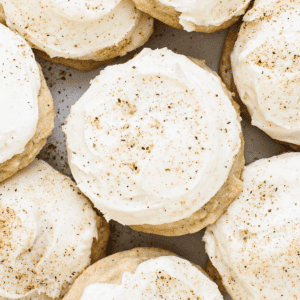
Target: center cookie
156,144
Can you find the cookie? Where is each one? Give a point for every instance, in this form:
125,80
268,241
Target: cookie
118,268
27,110
204,14
142,158
50,233
78,35
253,245
289,132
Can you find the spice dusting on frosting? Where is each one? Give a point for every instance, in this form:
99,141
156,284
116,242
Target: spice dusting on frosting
166,277
265,64
86,30
255,244
8,222
46,233
145,140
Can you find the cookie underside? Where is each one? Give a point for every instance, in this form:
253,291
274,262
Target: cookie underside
215,276
81,65
2,15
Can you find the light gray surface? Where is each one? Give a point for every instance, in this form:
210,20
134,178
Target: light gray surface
67,85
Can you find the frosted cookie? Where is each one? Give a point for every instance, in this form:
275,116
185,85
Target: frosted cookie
26,105
156,144
195,15
49,234
79,34
255,244
264,63
144,273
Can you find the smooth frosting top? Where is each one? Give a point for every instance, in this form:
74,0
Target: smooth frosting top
152,140
206,13
255,244
46,232
20,85
166,277
83,10
265,64
73,29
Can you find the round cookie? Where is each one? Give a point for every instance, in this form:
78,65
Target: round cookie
49,234
45,118
227,75
254,245
77,35
110,270
170,16
186,221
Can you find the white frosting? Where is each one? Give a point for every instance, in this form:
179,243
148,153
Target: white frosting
78,29
152,140
19,84
265,64
255,244
166,277
46,232
83,10
206,13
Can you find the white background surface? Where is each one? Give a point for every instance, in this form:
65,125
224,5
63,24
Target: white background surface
67,85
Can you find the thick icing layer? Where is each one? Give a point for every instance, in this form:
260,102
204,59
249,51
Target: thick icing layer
20,84
206,13
152,140
166,277
265,64
255,244
90,29
46,233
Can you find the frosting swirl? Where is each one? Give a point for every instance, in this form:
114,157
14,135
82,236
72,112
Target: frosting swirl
206,13
46,233
20,85
166,277
255,244
90,29
265,64
152,140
